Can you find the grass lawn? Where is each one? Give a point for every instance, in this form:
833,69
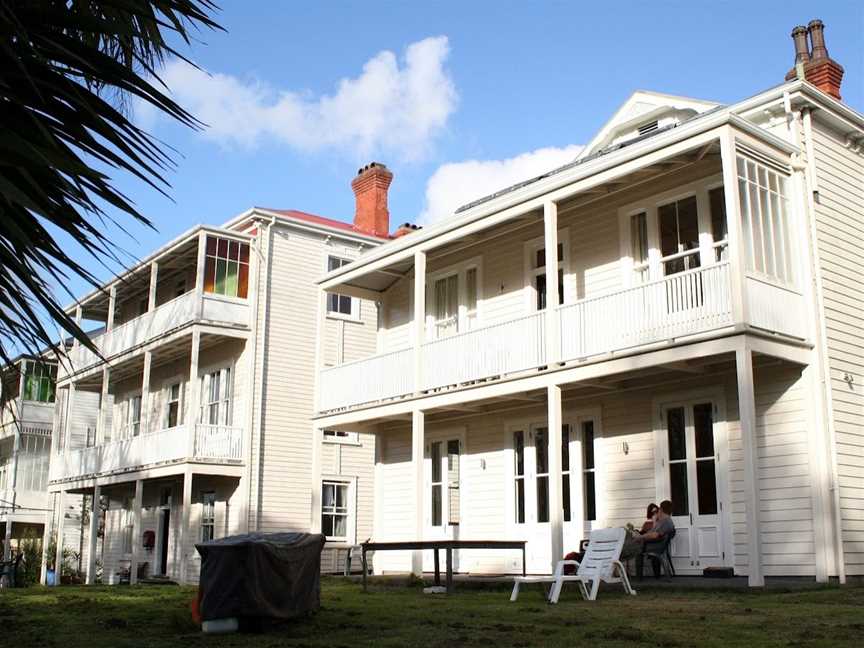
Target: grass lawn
69,617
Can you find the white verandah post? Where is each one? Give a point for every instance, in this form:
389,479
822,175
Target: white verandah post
550,232
419,323
747,418
418,425
136,530
556,504
734,226
93,531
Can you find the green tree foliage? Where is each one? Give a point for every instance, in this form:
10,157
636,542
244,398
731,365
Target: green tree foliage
68,70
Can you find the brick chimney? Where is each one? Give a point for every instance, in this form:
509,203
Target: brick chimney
815,66
371,215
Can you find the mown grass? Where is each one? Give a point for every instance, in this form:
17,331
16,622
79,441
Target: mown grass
93,617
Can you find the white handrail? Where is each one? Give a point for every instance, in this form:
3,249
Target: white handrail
681,304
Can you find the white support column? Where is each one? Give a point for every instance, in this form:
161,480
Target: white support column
747,418
199,270
550,232
93,531
58,549
46,540
320,328
185,530
102,420
154,278
418,433
78,317
112,304
419,323
317,440
194,395
146,423
734,226
136,530
556,503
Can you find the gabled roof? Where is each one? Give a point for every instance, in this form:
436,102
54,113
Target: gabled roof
640,106
314,219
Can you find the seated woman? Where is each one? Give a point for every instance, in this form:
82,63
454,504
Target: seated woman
651,515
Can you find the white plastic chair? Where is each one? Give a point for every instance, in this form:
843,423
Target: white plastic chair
601,563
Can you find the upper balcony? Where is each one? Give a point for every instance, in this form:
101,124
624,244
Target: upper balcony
693,240
200,278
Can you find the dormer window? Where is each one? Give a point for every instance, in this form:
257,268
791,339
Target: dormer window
648,127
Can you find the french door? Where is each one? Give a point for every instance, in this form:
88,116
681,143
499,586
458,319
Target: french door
443,476
691,465
453,303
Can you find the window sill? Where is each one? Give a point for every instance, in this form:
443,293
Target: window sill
338,441
342,316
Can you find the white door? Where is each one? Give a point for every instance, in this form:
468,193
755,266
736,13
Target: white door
691,474
579,483
531,494
443,471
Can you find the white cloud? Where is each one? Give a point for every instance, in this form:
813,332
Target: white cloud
393,106
457,183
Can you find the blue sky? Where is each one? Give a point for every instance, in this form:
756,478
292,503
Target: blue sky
484,81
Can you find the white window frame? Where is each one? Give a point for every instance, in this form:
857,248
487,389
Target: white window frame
341,437
354,315
226,416
529,253
651,205
127,427
463,316
205,520
127,526
350,537
181,400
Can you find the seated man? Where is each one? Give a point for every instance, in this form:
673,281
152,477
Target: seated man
653,541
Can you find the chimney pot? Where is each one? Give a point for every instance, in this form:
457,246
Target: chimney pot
817,39
371,215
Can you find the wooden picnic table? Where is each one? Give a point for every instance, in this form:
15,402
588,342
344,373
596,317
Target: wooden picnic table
437,545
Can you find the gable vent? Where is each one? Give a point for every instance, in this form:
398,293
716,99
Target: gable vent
649,127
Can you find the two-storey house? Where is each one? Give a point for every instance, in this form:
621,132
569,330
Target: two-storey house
192,422
676,314
26,416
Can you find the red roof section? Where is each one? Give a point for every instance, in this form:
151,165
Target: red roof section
321,220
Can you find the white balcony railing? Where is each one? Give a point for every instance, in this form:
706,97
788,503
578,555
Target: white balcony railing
683,304
182,310
508,347
388,375
694,302
172,445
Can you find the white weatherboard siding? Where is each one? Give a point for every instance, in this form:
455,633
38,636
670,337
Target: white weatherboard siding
282,472
630,482
840,235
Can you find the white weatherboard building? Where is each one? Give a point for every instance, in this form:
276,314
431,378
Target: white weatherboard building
194,422
676,314
25,445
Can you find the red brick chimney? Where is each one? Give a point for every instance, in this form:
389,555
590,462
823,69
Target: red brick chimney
816,66
371,215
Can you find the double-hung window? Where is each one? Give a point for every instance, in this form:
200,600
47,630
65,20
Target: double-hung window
216,405
678,223
341,305
226,267
538,276
128,526
208,516
335,510
519,475
565,471
135,415
39,380
173,413
589,470
453,301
